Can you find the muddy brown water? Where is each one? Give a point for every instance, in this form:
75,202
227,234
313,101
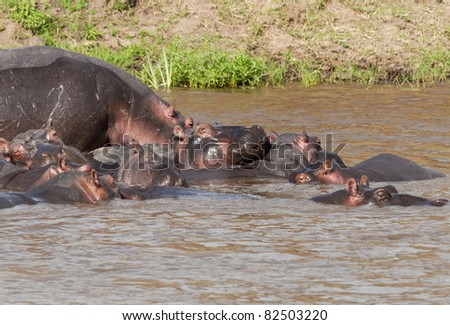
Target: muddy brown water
254,241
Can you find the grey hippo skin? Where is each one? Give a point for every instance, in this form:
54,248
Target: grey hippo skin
90,102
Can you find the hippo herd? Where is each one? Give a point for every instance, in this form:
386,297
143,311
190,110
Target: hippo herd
77,129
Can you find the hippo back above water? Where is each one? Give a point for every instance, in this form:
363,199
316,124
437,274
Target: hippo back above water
90,102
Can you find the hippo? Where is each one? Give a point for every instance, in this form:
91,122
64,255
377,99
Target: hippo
361,194
90,101
28,179
381,168
9,200
70,187
222,147
16,178
355,193
74,187
293,151
48,154
24,146
381,197
4,149
147,165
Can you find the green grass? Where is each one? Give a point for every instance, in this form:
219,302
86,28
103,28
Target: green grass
431,66
31,18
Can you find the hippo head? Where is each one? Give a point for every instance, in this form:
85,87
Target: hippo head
383,196
217,146
109,185
149,165
25,145
324,174
92,188
155,122
307,146
357,193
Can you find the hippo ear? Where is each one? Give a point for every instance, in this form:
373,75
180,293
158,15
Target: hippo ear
304,136
95,179
364,180
178,131
327,166
169,111
352,186
63,164
273,136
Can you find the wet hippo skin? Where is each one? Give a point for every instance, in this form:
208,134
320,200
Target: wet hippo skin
90,102
381,168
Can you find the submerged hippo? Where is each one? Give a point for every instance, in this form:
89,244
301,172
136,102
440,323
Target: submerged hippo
381,168
355,193
147,165
16,178
66,188
296,151
360,194
381,197
222,147
73,187
91,102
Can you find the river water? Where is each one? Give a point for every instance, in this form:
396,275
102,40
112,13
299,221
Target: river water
254,241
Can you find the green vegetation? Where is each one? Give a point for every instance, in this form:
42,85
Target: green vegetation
31,18
161,58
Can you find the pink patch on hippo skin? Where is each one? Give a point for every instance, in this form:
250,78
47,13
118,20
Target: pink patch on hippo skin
18,152
332,178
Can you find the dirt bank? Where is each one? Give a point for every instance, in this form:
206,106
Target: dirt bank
387,39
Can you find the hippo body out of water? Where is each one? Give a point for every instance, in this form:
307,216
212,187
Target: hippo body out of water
381,168
90,102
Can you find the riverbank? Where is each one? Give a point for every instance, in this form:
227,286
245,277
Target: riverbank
212,43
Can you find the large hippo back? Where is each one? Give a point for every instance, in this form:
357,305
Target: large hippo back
91,102
38,56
